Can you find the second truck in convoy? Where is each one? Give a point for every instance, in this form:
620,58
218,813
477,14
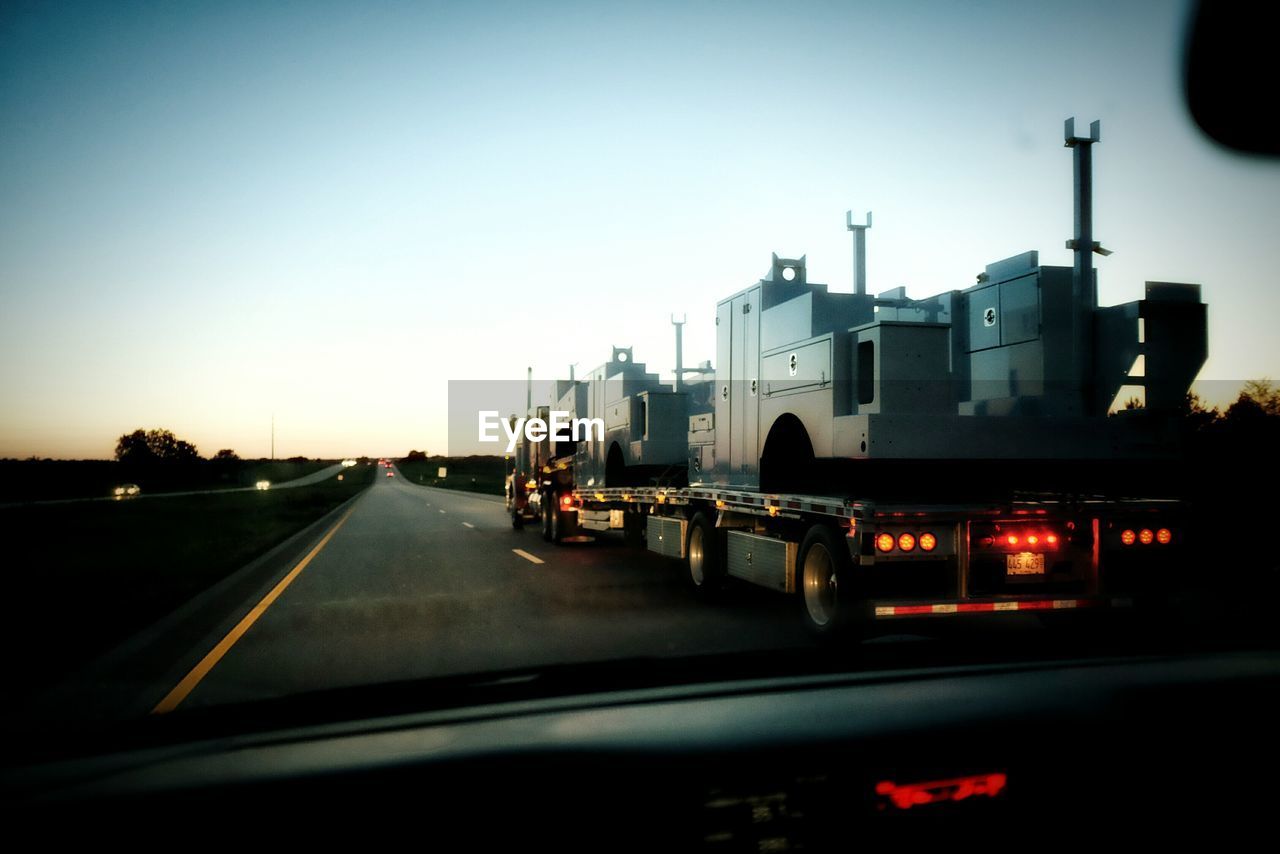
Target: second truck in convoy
884,457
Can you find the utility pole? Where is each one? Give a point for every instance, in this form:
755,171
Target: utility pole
273,437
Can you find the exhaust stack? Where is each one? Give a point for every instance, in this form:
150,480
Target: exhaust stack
1084,286
859,252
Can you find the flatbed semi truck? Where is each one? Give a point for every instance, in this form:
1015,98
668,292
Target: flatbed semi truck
854,563
881,457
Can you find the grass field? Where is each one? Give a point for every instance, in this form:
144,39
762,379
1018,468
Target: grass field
40,480
474,474
84,576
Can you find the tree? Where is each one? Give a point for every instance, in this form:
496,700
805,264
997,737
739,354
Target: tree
417,455
154,446
1264,393
133,448
1197,417
226,455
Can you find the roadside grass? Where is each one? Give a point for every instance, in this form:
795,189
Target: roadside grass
278,471
84,576
473,474
42,480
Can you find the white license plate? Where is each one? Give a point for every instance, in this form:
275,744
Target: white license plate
1024,563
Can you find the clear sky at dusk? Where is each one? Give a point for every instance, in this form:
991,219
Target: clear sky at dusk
210,213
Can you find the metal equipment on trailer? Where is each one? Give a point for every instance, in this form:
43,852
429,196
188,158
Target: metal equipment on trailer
886,457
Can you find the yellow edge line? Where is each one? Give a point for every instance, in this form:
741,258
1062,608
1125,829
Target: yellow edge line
201,670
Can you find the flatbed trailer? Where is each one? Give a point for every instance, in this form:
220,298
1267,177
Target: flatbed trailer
854,563
977,429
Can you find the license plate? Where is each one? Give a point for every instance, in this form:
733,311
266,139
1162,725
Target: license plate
1024,563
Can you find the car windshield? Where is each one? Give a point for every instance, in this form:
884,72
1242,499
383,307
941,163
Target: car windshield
348,346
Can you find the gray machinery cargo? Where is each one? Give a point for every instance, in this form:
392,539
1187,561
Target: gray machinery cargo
645,425
1021,366
885,458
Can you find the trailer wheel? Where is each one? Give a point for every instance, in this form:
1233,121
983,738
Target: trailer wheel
824,580
546,521
704,569
517,521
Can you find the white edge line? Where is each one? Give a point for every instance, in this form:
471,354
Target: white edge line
467,525
531,558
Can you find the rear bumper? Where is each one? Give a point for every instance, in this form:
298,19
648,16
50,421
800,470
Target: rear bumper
1040,604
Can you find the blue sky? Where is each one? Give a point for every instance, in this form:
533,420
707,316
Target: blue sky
210,213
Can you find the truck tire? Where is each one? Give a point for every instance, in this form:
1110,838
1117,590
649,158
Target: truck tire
546,521
517,521
704,568
633,525
557,525
829,600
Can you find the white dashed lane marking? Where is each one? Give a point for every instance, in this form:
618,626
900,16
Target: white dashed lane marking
531,558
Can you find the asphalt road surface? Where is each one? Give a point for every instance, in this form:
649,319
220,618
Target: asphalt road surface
418,582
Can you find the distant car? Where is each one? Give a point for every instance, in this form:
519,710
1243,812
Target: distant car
263,484
126,490
391,474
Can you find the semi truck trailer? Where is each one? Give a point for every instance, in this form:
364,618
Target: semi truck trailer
880,457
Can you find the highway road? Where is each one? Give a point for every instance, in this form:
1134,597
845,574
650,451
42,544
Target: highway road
305,480
416,582
409,582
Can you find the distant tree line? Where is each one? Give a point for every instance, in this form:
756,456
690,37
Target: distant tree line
1255,410
151,447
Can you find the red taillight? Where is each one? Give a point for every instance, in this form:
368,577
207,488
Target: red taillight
1146,536
1032,540
928,542
905,796
906,542
1052,539
1011,540
884,542
1164,536
1128,537
566,500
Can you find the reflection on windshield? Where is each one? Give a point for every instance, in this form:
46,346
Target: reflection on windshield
343,353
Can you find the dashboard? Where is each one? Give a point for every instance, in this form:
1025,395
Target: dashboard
1149,748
